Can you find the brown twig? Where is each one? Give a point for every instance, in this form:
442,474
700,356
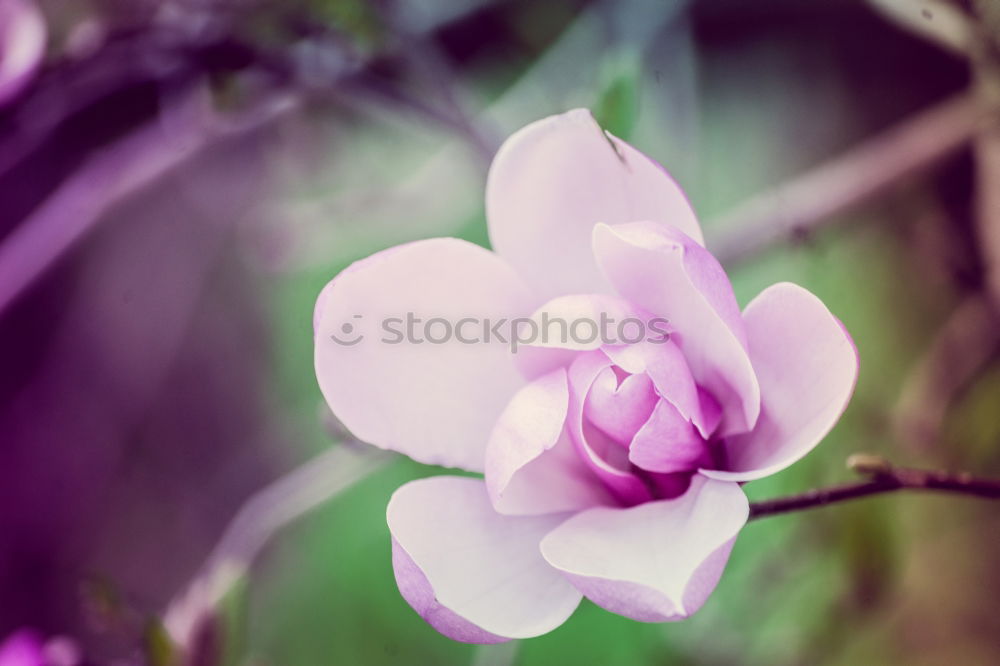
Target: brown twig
883,478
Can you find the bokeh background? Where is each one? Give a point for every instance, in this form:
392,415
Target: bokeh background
181,177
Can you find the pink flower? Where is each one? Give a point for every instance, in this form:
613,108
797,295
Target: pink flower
612,471
22,648
22,45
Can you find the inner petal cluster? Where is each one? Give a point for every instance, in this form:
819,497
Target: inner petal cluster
636,434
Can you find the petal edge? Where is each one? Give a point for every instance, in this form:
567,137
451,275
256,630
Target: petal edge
808,368
656,562
473,574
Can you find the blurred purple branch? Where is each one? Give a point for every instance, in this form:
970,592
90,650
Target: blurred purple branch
428,60
882,478
453,118
172,56
258,520
435,79
106,180
810,200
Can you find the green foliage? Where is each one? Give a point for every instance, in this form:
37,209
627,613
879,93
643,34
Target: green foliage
357,18
159,648
617,107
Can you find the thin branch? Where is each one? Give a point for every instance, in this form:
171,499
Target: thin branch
429,62
883,478
366,86
260,518
808,201
111,177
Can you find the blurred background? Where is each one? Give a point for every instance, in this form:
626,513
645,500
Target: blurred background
179,178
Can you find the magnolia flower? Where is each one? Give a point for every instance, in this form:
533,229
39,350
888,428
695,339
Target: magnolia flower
22,45
26,647
612,471
22,648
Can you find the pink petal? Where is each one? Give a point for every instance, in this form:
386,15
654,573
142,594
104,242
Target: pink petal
666,366
437,403
22,45
576,322
22,648
320,307
620,408
807,366
656,562
474,575
531,465
552,181
668,442
605,458
663,271
583,322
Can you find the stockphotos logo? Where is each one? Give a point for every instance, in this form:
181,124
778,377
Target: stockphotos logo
540,330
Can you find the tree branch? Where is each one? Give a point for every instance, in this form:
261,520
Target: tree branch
808,201
883,478
258,520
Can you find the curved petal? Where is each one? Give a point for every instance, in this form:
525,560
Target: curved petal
22,45
434,401
474,575
807,365
531,466
320,307
656,562
605,457
663,271
568,324
552,181
664,363
619,407
582,322
668,443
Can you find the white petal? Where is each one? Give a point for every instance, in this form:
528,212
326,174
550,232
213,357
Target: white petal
531,465
437,403
656,562
474,575
807,365
552,181
664,272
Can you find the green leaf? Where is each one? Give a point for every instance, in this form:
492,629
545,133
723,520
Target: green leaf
617,107
157,645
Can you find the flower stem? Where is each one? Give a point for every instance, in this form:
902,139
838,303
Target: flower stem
882,478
